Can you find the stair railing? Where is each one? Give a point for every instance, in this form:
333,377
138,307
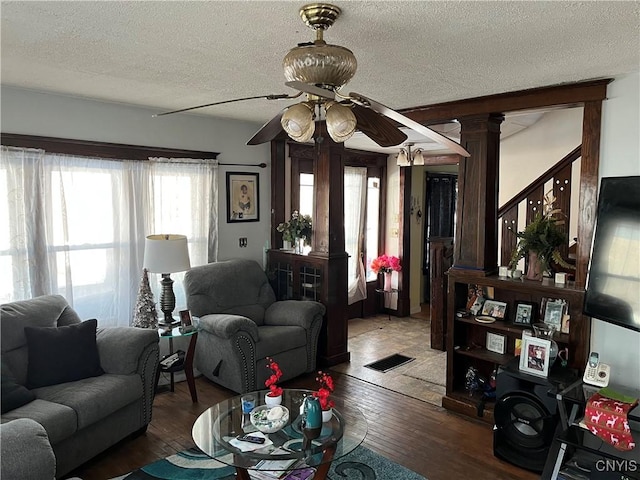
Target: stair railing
533,194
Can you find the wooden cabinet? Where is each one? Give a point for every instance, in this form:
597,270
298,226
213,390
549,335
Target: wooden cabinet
467,338
305,277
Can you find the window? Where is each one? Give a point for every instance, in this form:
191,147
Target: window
77,225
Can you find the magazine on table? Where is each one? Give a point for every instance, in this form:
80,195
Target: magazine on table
285,469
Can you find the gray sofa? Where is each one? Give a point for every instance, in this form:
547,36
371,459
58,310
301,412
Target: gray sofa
241,324
81,417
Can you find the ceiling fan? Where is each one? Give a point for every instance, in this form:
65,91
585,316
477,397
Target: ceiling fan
320,70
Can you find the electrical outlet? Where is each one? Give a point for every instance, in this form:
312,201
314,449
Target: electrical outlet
242,242
395,232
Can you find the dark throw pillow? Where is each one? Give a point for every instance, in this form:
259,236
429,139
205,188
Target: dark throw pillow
62,354
14,395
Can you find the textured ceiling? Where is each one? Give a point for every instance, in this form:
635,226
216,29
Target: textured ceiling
169,55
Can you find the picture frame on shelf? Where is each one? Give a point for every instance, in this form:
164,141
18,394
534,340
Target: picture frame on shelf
494,309
524,313
554,312
534,357
496,343
243,199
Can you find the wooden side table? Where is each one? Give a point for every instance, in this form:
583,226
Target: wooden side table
187,365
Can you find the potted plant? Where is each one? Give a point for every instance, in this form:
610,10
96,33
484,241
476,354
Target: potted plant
296,230
386,264
323,394
274,395
540,241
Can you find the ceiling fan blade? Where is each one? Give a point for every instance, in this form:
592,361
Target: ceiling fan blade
267,97
407,122
269,131
312,89
377,128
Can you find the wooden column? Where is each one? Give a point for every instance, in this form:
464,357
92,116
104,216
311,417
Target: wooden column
477,218
328,242
588,203
278,157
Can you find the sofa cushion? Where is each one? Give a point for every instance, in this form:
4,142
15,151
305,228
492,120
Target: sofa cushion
43,311
94,398
274,340
62,354
60,421
13,394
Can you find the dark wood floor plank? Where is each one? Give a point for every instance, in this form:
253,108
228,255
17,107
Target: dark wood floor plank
433,442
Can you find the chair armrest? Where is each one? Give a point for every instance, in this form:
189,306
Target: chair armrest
121,348
298,313
226,326
26,452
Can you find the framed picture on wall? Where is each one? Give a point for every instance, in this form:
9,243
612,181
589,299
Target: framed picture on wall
243,200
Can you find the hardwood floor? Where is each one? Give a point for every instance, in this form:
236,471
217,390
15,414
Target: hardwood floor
427,439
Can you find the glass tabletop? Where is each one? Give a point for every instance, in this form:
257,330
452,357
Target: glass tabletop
175,331
217,426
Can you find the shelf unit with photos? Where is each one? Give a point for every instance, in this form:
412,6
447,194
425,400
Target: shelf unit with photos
467,338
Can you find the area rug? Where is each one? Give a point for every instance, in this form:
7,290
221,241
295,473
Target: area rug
389,363
433,369
192,464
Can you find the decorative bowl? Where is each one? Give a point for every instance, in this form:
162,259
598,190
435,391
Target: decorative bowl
269,419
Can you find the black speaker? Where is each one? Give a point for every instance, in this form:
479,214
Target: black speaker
525,418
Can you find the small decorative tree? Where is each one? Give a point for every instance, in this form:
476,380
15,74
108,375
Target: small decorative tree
145,314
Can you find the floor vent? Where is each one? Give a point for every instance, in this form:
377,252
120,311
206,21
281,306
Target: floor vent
390,362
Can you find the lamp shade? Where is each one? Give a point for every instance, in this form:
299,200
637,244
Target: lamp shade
418,157
298,122
403,158
166,253
341,122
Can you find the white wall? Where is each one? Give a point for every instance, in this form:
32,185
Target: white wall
620,156
35,113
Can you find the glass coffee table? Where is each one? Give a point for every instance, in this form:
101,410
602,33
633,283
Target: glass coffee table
217,426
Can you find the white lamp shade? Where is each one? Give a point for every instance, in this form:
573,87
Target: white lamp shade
341,122
298,122
166,253
403,160
418,157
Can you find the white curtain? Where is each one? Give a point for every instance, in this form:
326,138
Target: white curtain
76,226
355,198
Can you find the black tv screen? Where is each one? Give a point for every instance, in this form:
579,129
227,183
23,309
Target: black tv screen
613,282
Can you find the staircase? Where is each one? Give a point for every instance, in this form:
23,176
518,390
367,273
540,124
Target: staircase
532,196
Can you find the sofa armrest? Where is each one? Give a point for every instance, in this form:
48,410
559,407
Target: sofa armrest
26,452
298,313
121,348
226,326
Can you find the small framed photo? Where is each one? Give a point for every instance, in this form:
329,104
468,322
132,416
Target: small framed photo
534,357
554,311
242,197
494,309
496,343
524,314
185,318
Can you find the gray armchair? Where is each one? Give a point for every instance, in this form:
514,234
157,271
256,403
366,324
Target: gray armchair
242,323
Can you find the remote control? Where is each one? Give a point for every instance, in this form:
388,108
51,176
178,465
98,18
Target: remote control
251,439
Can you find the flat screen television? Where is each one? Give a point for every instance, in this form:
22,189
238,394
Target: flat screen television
613,281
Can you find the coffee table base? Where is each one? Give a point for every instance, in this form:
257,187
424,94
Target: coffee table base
321,471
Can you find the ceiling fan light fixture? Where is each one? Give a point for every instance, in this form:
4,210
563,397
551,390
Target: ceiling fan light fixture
341,122
298,122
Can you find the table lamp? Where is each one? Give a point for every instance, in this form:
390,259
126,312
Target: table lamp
166,254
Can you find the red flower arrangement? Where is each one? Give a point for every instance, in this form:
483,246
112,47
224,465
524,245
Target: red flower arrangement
385,264
326,388
275,390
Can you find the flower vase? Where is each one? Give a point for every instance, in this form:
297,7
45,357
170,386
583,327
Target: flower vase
272,401
298,245
387,281
326,415
534,267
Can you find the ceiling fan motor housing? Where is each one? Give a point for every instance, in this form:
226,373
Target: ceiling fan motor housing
320,64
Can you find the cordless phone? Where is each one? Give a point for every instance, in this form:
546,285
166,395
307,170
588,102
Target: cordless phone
596,373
